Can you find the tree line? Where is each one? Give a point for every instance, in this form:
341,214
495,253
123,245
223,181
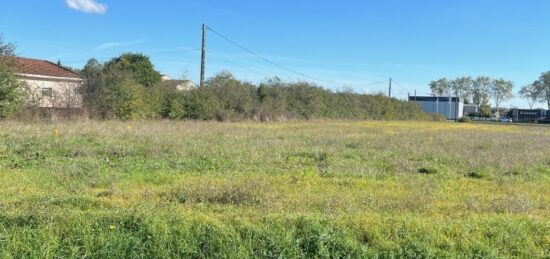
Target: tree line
128,87
479,91
482,90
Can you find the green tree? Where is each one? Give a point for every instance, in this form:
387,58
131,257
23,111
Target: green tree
122,97
91,88
501,91
441,87
462,87
542,86
530,93
126,87
485,108
481,89
12,90
138,66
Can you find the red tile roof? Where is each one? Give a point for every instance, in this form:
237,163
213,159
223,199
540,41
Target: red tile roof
42,68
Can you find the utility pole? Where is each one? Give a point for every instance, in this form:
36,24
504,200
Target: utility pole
389,92
457,107
203,55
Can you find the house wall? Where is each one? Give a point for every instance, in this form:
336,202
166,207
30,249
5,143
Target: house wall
187,86
63,92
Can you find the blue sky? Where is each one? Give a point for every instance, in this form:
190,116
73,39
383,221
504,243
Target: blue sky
353,42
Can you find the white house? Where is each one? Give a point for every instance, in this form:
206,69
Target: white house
51,86
180,85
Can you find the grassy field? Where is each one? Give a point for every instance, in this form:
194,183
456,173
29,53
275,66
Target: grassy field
275,190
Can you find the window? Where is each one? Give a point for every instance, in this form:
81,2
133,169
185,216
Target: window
47,92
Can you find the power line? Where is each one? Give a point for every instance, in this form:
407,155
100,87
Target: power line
376,83
274,63
379,83
150,53
402,88
235,64
268,75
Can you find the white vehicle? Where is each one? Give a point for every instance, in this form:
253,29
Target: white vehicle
505,120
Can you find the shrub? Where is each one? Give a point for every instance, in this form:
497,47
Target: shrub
465,119
434,117
12,91
123,98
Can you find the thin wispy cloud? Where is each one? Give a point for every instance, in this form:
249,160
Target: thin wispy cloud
117,44
87,6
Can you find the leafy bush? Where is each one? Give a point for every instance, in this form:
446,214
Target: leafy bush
123,98
12,91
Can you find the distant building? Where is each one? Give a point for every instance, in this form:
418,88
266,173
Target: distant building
180,85
531,116
470,109
51,85
165,78
450,107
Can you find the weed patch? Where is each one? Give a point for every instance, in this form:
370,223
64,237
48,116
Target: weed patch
238,193
477,175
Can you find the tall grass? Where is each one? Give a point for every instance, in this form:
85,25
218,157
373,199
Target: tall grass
294,189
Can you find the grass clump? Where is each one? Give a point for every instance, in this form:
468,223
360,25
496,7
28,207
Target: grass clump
478,175
322,163
220,191
428,170
465,120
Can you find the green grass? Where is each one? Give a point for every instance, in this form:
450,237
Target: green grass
276,190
